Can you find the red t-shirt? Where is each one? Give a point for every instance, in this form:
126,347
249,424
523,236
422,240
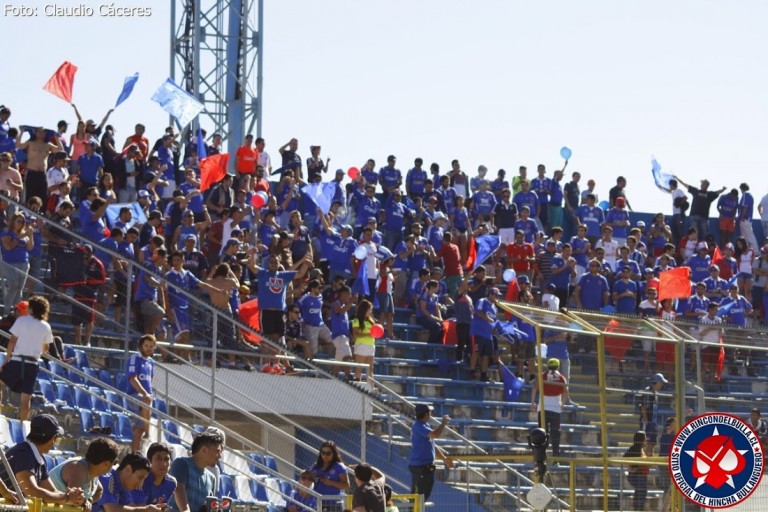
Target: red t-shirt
451,259
554,389
262,185
521,251
246,159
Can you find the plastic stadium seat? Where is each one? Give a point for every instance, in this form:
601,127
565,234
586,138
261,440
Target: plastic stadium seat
285,487
98,402
124,426
64,395
50,462
81,359
171,432
93,374
227,487
82,398
75,377
159,404
121,382
42,374
57,369
198,428
259,491
46,388
86,422
234,462
60,459
243,487
270,462
5,433
105,376
256,470
69,351
114,399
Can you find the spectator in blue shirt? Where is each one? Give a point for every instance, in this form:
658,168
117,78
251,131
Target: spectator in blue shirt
369,174
395,213
591,291
591,216
499,184
625,293
90,167
526,225
527,197
746,211
618,218
367,206
390,177
555,211
423,449
414,180
119,484
194,481
542,186
300,500
483,204
159,486
481,328
727,206
448,194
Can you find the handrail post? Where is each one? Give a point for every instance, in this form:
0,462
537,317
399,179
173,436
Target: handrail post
128,310
215,342
603,415
362,428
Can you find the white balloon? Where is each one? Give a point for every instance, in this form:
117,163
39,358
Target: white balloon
361,252
509,275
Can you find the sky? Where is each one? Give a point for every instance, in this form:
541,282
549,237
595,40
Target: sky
501,83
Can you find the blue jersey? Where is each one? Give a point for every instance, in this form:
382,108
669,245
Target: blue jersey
390,177
592,289
366,207
542,188
112,491
422,447
435,237
311,309
145,291
528,227
618,215
449,198
746,206
592,217
196,204
419,258
303,503
401,263
371,176
272,287
713,284
460,219
339,321
727,205
431,304
698,304
579,250
185,280
89,168
151,494
561,279
341,253
483,203
414,181
395,215
737,312
479,326
624,304
497,186
633,266
528,199
555,193
141,367
699,267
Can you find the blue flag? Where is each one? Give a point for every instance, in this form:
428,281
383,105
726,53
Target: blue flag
725,310
130,82
202,151
137,214
321,194
177,102
510,331
31,130
660,177
513,385
360,286
486,245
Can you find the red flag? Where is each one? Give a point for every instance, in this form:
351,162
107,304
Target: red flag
717,256
675,283
720,361
249,314
616,346
60,84
471,253
212,170
513,291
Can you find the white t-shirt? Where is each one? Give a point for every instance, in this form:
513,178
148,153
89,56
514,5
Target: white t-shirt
32,334
55,177
764,206
611,249
675,194
712,335
370,261
264,161
550,301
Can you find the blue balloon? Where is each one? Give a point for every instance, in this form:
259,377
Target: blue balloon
565,152
518,383
604,205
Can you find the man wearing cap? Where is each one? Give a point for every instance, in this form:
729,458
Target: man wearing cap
701,200
58,173
30,336
38,150
618,218
423,450
649,405
28,465
554,397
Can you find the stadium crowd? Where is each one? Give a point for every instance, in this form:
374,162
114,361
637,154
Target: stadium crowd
257,234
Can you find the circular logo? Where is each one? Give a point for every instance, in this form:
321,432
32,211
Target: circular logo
716,460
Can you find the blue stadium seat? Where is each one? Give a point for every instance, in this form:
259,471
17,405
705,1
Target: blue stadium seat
160,405
82,398
105,376
198,428
171,432
256,457
227,487
69,352
108,421
64,394
114,399
86,422
285,487
98,402
93,374
17,430
270,462
60,459
76,378
124,427
50,463
81,359
46,388
42,375
259,491
121,382
57,369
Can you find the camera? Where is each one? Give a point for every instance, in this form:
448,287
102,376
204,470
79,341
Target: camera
538,441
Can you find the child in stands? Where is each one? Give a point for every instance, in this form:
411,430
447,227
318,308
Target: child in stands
159,486
304,501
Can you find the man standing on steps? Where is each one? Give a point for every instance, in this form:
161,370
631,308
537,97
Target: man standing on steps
423,449
555,396
649,405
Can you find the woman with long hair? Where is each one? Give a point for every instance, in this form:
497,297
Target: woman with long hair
330,474
107,188
638,473
744,257
77,142
365,345
15,243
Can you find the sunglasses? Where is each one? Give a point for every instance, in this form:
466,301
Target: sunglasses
325,453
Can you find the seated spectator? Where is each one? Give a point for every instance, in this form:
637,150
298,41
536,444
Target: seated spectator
85,472
28,466
159,486
428,312
300,500
330,474
120,484
194,481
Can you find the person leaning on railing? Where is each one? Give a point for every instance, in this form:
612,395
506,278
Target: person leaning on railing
28,466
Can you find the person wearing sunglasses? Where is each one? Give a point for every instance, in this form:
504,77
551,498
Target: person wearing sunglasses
330,475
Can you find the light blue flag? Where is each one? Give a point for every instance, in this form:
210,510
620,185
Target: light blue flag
510,331
137,214
177,102
513,385
130,82
485,245
725,310
321,194
660,177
